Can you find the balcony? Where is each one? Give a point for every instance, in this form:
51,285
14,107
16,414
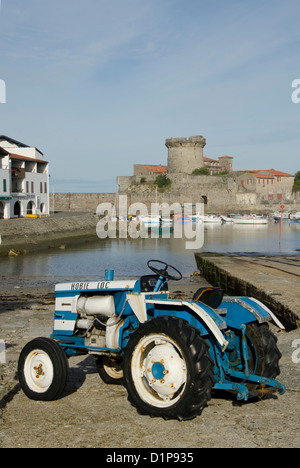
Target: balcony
18,173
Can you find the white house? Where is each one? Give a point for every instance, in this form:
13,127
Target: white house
24,180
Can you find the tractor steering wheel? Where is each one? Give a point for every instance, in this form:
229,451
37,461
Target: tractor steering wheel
163,272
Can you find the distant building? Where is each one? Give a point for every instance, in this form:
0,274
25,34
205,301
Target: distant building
223,164
268,184
24,180
146,170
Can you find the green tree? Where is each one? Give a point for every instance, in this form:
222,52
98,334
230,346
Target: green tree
201,171
162,181
296,187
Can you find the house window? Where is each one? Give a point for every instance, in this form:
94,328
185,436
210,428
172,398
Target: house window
32,187
4,186
27,187
45,191
41,187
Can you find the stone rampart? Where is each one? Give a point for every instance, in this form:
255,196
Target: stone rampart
80,201
221,194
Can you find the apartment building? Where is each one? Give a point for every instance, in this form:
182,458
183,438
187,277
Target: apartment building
24,180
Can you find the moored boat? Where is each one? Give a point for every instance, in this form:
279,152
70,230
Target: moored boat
215,219
250,219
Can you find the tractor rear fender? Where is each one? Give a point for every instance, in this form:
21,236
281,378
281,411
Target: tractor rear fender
197,314
243,310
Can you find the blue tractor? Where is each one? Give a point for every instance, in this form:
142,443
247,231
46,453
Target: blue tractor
169,354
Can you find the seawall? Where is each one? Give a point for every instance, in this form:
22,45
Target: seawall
52,231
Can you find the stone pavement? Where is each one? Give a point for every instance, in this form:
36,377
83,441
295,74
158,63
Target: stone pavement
92,414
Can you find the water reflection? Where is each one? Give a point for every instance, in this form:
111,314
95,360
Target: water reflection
129,257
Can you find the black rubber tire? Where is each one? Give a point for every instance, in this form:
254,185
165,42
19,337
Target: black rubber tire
60,365
113,377
265,355
196,391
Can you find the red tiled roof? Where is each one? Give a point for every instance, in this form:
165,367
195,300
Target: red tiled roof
276,173
157,169
210,160
260,175
229,157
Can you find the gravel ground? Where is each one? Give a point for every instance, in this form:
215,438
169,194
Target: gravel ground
92,414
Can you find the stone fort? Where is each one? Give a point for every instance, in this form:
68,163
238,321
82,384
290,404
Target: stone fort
225,189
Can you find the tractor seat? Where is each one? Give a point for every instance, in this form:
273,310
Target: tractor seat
209,296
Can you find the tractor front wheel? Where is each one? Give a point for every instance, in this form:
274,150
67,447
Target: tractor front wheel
43,369
168,371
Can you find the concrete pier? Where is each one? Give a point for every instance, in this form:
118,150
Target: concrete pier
273,280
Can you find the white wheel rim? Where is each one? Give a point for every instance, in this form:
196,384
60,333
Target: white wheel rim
159,371
113,372
38,371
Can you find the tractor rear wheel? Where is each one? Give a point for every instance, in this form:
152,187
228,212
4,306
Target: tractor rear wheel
168,371
43,369
263,351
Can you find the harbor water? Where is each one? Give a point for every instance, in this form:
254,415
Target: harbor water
128,257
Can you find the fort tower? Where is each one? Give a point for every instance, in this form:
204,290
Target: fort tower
185,154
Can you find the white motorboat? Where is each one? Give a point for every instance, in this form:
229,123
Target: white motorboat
250,219
277,216
215,219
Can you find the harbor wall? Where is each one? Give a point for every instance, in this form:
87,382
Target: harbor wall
31,234
221,199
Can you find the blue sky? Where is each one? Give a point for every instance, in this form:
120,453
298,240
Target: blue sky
98,85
